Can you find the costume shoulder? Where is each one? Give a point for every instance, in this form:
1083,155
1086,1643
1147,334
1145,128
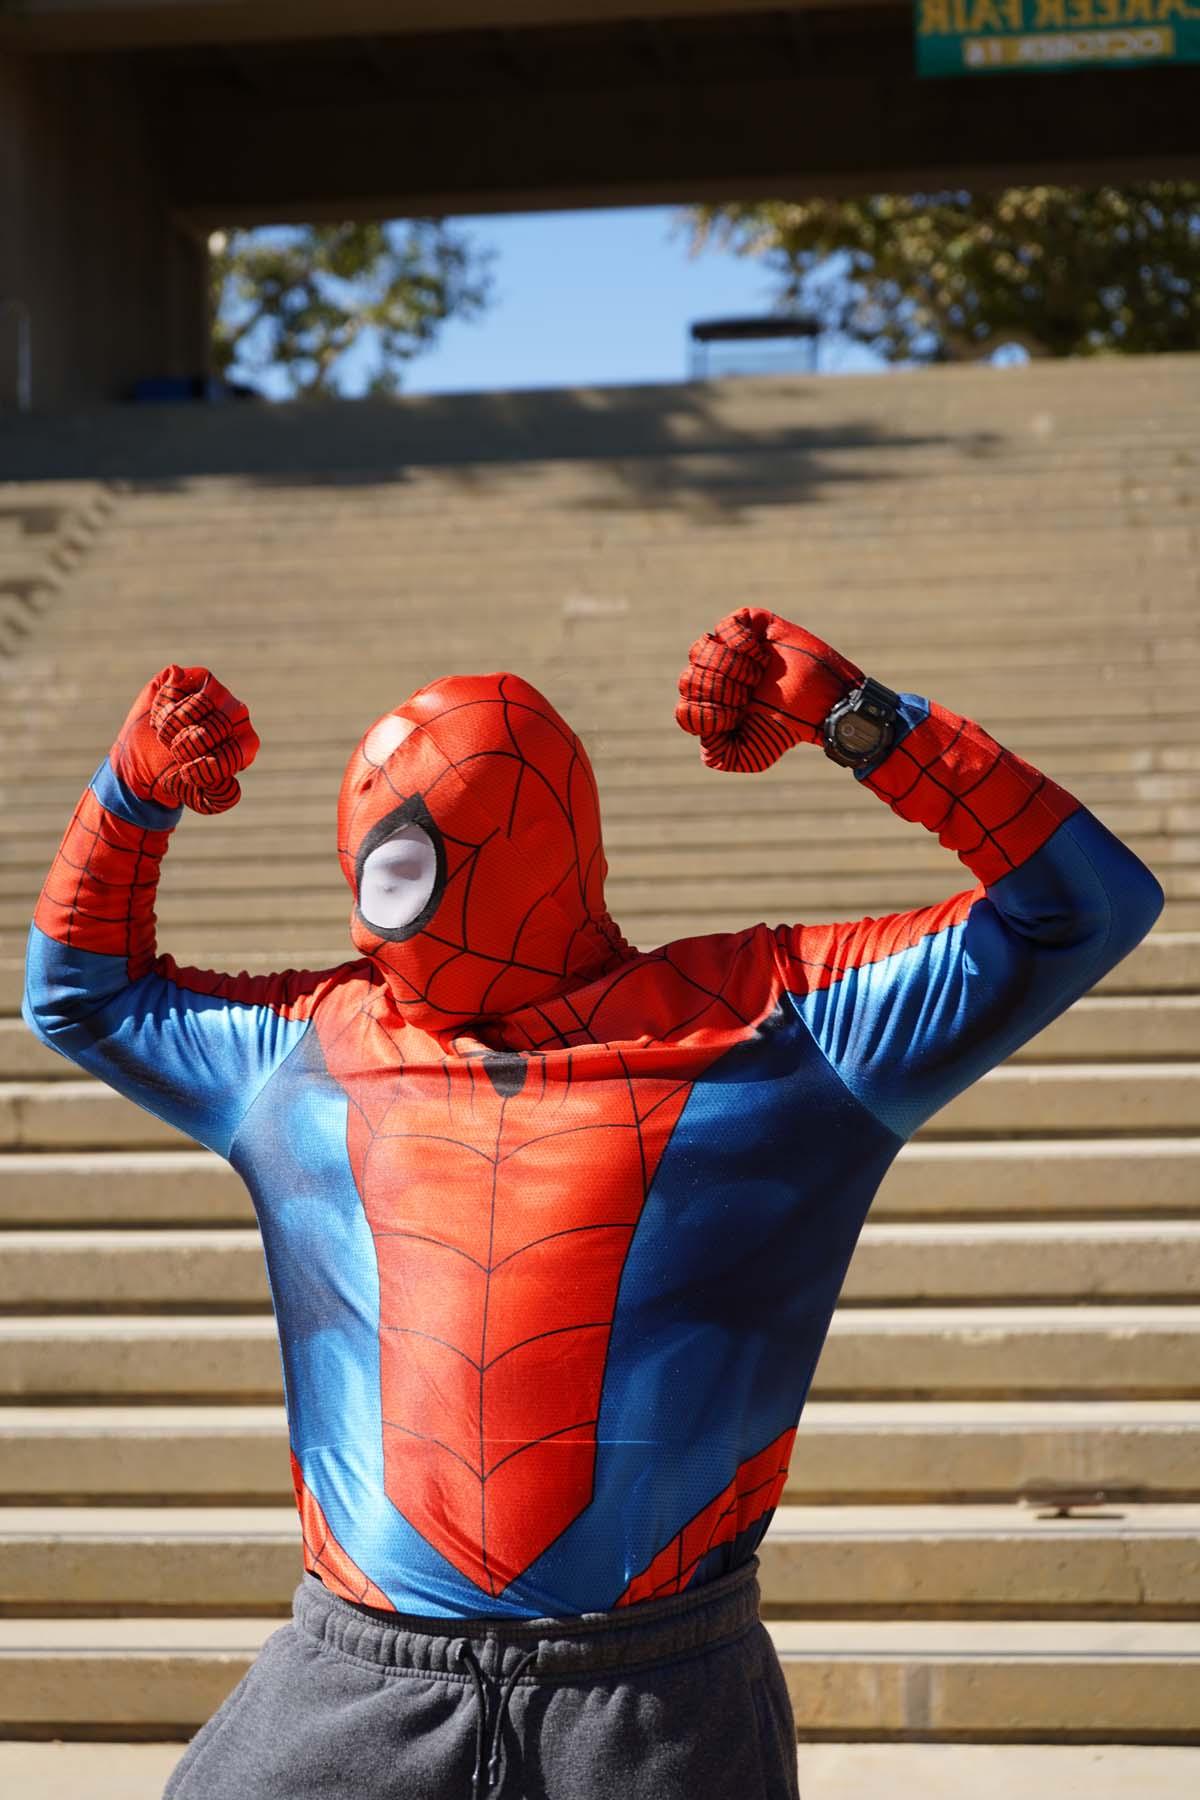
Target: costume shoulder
722,981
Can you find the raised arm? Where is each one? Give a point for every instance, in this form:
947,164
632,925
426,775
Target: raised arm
190,1045
912,1008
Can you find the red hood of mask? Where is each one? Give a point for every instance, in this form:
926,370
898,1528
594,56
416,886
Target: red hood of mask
504,788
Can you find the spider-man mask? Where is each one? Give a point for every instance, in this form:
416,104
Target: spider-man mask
469,831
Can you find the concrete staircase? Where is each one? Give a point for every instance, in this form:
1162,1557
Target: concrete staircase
992,1528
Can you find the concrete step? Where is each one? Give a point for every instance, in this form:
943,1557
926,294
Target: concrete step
994,1263
699,805
744,853
625,702
1113,1351
645,929
1011,1352
739,542
950,1451
1051,1177
933,653
1065,739
866,1452
926,475
982,1771
543,615
430,488
214,1269
994,1679
1042,1177
288,916
618,704
1125,1562
440,539
1115,1680
556,627
975,1562
323,946
219,859
58,1771
1102,1025
928,485
1156,1027
729,564
114,1187
164,1454
669,778
1026,1099
1061,1098
1166,961
1016,704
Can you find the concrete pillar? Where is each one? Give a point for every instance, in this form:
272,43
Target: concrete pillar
113,284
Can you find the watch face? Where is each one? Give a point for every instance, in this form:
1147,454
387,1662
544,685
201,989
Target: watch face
857,735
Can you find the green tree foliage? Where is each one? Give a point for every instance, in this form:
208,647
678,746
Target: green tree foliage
299,298
954,276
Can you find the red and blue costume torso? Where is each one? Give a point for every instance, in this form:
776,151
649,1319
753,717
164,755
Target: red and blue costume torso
554,1229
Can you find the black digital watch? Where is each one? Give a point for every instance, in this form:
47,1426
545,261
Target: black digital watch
861,725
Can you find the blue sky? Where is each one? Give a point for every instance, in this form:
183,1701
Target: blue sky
597,298
593,297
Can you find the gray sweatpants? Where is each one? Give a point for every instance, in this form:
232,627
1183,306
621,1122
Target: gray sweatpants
678,1699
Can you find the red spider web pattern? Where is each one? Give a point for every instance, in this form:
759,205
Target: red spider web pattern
751,694
502,1197
324,1556
815,956
99,893
99,896
510,791
754,1491
984,802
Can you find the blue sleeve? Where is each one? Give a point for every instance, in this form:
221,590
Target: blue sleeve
908,1032
911,1009
197,1060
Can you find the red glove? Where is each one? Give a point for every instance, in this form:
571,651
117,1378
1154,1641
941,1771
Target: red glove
185,741
757,685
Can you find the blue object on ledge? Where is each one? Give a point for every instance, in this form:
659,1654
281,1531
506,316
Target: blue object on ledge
171,389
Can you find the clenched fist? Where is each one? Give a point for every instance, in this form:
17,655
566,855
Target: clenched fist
756,685
185,742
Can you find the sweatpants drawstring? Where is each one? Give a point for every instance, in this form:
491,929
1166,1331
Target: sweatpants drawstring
496,1761
496,1753
465,1654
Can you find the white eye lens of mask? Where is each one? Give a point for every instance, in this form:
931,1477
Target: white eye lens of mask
398,878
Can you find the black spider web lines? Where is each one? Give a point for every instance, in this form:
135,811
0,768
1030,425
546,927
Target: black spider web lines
546,1437
897,932
674,1583
580,1028
724,678
487,1299
499,1156
484,1365
958,796
580,921
496,1147
337,1564
103,879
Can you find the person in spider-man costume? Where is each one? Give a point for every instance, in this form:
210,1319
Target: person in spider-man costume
554,1227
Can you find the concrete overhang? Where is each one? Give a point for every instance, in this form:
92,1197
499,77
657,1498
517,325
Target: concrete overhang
76,25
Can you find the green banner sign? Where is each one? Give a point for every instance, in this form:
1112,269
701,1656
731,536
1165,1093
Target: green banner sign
989,37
